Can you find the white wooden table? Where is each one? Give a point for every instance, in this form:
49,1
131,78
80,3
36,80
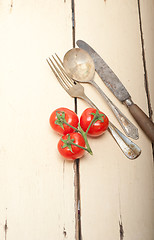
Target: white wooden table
39,191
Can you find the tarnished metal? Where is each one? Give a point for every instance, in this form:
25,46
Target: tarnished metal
106,73
117,88
129,148
80,66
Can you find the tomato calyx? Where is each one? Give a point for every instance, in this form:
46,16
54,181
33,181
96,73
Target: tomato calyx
69,142
97,116
60,119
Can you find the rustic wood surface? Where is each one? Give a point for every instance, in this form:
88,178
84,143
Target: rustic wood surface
42,196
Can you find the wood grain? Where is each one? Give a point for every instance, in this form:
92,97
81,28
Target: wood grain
42,196
37,186
117,194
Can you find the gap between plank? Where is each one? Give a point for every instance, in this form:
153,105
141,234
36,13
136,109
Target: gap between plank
78,235
6,229
144,62
121,229
145,67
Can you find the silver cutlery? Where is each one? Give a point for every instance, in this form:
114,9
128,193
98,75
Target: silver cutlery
80,66
76,90
118,89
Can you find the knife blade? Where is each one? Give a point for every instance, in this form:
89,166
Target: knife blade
117,88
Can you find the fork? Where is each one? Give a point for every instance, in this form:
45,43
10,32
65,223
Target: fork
76,90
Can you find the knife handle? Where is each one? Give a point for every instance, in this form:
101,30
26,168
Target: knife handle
142,119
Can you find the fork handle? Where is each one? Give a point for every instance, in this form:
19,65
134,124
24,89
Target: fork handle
129,148
89,101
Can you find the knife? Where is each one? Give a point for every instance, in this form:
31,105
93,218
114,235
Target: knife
118,89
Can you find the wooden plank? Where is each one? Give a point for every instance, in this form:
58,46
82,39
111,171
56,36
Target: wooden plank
37,187
116,193
147,18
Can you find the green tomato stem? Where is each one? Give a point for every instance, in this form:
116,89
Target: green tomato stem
96,117
84,134
89,126
77,130
86,149
92,121
80,130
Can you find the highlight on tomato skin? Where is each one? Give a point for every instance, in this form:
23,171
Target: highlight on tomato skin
72,152
98,127
71,118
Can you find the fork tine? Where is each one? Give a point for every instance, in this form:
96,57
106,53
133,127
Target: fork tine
130,149
68,79
59,59
52,67
60,67
57,74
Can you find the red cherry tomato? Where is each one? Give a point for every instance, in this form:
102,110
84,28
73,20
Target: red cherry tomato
71,152
70,117
98,127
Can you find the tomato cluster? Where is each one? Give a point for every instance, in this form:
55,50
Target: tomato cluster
73,142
